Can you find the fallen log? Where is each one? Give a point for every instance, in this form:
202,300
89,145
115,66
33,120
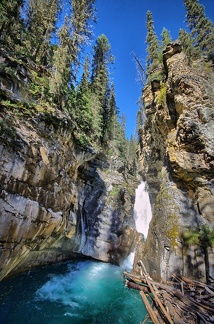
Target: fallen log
133,277
194,283
149,308
180,301
166,315
133,285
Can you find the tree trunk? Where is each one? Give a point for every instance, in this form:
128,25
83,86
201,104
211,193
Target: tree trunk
207,265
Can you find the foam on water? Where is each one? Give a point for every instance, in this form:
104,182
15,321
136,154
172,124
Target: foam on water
78,292
128,262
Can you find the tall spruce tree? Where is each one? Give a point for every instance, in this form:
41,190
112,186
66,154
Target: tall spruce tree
152,59
81,111
102,57
192,52
72,35
41,19
165,38
61,71
111,118
11,24
131,157
201,27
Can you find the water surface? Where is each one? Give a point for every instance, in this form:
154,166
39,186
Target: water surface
77,292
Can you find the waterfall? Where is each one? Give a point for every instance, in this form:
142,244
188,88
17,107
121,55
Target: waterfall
128,262
142,209
142,216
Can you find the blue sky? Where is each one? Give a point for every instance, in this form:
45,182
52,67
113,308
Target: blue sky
123,23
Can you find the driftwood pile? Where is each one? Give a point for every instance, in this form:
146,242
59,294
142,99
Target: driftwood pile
179,301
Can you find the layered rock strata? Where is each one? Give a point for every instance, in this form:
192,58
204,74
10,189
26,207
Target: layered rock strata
176,154
57,200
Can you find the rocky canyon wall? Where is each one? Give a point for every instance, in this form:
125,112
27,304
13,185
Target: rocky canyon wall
57,200
176,156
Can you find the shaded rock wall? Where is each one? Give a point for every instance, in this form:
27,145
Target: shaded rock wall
176,155
57,200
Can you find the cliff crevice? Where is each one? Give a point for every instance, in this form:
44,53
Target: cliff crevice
176,155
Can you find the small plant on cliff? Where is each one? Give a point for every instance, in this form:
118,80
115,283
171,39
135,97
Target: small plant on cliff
161,99
114,192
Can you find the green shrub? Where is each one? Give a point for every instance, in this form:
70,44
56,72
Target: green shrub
161,99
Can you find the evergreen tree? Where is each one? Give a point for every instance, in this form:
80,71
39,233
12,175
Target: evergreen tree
111,118
152,59
201,27
121,137
165,38
11,24
82,110
203,237
206,240
61,71
81,15
100,77
41,19
84,83
192,53
72,35
131,156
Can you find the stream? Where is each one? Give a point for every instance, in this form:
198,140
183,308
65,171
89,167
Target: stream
77,292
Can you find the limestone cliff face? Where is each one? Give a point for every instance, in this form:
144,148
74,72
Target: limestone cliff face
177,160
56,199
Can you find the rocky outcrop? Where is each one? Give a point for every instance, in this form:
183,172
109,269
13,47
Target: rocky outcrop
177,160
57,200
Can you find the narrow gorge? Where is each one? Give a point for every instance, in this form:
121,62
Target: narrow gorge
98,196
60,201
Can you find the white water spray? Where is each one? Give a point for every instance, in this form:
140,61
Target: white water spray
128,262
142,209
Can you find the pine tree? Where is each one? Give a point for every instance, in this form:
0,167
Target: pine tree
84,83
82,110
100,77
201,27
41,19
131,156
59,81
11,24
192,53
72,35
203,237
81,16
111,118
152,59
165,38
121,137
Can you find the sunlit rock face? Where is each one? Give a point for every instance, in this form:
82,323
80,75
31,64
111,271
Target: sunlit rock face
176,154
57,200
